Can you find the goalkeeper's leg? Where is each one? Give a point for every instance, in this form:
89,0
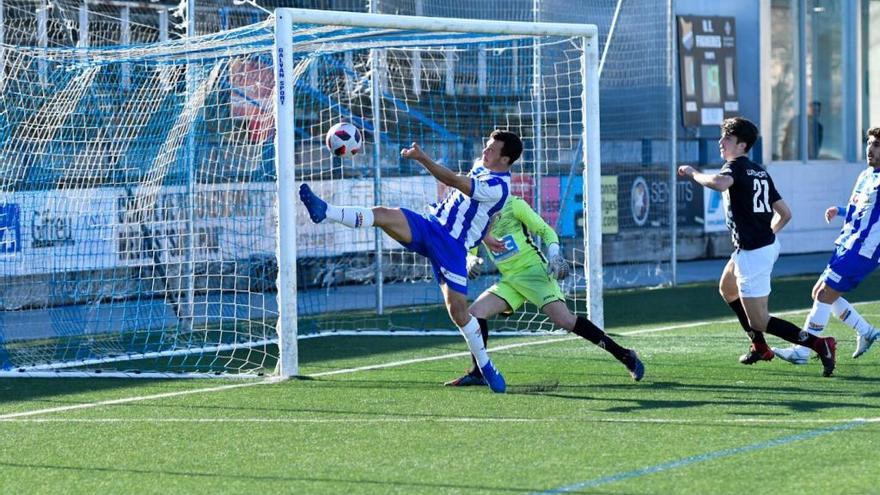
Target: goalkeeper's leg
561,316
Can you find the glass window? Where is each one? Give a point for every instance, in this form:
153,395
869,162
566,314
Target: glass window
870,67
825,71
807,101
785,68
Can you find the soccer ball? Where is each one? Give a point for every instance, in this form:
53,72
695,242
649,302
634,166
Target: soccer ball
344,140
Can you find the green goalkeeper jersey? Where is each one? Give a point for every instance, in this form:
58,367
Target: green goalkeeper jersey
515,227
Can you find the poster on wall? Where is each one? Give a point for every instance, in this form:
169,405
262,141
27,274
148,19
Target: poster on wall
632,198
707,69
714,209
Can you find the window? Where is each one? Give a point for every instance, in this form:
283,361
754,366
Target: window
785,67
808,98
824,76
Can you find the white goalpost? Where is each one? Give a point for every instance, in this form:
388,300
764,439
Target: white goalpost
149,217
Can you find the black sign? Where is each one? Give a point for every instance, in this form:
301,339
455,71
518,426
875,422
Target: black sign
642,201
707,65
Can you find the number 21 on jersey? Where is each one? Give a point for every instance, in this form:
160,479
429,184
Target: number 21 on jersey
761,196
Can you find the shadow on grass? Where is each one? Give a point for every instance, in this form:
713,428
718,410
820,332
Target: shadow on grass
225,475
39,392
761,397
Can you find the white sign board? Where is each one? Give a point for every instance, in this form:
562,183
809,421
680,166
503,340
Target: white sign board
714,208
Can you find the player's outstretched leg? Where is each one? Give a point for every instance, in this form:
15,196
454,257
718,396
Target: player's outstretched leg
825,347
317,207
350,216
815,323
588,330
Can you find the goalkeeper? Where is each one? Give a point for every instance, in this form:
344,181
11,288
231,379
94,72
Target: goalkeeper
526,275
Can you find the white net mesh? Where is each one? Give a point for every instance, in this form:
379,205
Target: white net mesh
137,191
446,93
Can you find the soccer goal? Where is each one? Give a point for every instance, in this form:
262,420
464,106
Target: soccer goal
149,220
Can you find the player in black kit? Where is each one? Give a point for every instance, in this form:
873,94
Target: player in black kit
755,214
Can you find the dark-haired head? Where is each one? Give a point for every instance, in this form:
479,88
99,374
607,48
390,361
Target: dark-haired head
513,146
742,129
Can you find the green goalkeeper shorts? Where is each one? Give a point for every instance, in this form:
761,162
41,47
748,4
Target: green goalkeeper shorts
531,284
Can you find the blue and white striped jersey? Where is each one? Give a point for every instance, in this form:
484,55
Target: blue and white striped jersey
861,229
467,218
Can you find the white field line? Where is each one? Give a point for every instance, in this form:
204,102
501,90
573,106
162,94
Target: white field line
140,398
395,420
127,400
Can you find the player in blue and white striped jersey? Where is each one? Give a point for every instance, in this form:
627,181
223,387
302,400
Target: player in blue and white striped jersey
467,218
857,254
447,231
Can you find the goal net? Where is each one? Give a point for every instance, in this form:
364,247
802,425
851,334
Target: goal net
148,214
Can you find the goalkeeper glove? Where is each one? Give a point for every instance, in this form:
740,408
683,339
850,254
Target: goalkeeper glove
474,266
557,267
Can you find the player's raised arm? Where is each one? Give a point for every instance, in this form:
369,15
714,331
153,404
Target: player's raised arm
718,182
441,173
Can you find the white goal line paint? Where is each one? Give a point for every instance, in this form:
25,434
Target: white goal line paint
128,400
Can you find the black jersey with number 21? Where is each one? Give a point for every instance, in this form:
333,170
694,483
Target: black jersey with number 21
749,204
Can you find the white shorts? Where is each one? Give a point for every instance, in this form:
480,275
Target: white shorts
753,268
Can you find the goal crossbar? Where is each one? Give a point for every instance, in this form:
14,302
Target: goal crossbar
437,24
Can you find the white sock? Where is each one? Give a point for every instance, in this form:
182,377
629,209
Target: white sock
474,339
817,320
350,216
848,314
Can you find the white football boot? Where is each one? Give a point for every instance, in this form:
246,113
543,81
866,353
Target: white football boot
796,354
863,342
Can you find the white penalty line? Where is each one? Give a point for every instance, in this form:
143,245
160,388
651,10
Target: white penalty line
273,380
477,420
